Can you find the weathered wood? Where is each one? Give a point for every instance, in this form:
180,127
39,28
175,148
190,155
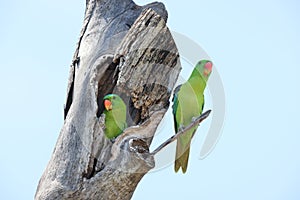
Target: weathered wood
124,49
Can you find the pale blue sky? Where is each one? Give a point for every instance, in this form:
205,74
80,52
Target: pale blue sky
255,46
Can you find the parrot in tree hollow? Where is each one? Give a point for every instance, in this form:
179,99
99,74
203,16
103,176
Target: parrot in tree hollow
188,102
115,115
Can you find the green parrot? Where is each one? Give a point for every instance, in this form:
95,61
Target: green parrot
188,104
115,115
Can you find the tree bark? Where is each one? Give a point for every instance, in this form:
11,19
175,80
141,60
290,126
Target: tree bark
127,50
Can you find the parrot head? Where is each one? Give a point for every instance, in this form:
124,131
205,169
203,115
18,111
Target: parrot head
112,100
205,68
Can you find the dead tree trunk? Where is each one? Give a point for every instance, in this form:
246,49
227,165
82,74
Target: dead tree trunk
127,50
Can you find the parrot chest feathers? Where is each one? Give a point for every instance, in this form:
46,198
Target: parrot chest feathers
115,123
189,105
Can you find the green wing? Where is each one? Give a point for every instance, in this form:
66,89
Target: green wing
175,106
183,142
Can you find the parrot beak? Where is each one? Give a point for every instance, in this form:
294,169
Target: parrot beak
107,104
208,68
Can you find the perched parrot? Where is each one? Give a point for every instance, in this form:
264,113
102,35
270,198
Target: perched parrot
115,115
188,103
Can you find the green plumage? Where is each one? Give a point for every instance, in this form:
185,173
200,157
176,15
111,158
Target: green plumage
115,116
188,104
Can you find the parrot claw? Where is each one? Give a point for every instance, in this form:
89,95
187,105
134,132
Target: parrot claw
181,128
113,140
194,119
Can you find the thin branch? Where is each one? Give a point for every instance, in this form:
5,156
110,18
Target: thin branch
197,121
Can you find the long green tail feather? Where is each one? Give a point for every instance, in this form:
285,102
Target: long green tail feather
182,157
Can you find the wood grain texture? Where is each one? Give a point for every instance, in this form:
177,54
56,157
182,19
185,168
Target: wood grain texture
125,49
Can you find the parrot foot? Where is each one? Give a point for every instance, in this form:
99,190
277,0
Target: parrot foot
113,140
195,119
181,128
